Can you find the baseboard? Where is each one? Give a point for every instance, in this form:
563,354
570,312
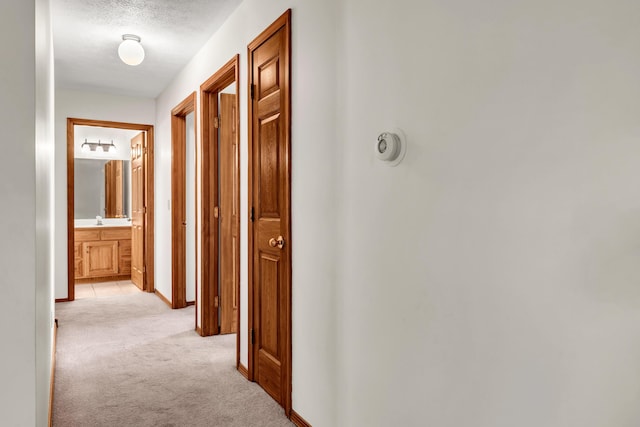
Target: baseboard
163,298
62,299
298,420
53,371
243,370
190,303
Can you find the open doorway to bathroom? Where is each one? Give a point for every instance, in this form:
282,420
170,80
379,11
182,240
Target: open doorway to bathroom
109,207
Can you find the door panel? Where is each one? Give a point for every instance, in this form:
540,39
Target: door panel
268,184
137,210
269,296
229,274
270,263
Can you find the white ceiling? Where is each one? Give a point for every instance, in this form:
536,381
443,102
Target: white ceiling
86,35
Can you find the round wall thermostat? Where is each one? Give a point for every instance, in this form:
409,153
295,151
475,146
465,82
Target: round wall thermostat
391,147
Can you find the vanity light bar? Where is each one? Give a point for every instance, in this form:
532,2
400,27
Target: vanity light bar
91,146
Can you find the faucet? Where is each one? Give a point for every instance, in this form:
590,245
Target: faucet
98,220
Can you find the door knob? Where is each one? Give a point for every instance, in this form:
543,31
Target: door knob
279,242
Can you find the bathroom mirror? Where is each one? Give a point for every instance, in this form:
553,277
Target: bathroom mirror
102,187
102,170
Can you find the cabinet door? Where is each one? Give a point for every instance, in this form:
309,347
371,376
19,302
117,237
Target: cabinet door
100,258
78,260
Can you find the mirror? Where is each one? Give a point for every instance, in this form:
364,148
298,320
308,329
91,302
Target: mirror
102,187
102,172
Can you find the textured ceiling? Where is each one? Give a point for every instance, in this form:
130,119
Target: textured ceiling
86,35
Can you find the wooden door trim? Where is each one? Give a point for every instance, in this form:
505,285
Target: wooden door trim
178,197
149,191
209,90
284,21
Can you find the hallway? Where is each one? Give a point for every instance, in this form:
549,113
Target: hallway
129,360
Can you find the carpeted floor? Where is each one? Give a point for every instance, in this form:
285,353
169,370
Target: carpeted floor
129,360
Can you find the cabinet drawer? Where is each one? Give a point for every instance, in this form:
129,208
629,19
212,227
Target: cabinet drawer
124,247
78,268
77,250
124,254
86,235
116,233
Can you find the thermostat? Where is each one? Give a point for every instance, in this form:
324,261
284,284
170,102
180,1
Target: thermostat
391,147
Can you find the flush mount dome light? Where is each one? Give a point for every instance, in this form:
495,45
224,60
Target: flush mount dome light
130,50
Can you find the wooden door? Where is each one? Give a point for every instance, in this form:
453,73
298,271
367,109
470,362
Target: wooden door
229,218
137,210
114,188
178,213
269,58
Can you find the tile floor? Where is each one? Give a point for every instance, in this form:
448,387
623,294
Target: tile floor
105,289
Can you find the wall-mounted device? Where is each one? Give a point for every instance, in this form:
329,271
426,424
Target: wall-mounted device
391,147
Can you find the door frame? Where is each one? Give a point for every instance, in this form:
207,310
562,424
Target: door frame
148,196
178,198
284,21
209,195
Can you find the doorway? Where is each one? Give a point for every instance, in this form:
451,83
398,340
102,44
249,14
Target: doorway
221,203
101,247
270,203
183,205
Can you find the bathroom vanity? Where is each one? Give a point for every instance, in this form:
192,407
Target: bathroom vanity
102,251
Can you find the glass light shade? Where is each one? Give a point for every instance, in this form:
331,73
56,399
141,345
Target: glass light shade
131,52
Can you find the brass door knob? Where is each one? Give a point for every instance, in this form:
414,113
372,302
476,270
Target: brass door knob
279,242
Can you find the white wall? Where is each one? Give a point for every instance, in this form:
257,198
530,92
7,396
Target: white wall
85,105
492,279
44,168
313,132
26,169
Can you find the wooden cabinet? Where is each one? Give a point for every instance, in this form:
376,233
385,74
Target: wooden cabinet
102,252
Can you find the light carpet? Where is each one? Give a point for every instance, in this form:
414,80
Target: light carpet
129,360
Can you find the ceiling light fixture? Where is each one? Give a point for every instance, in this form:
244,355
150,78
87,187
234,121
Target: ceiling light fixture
130,50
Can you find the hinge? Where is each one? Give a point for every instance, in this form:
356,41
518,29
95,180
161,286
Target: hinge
216,122
144,210
253,337
215,302
252,214
253,91
216,212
